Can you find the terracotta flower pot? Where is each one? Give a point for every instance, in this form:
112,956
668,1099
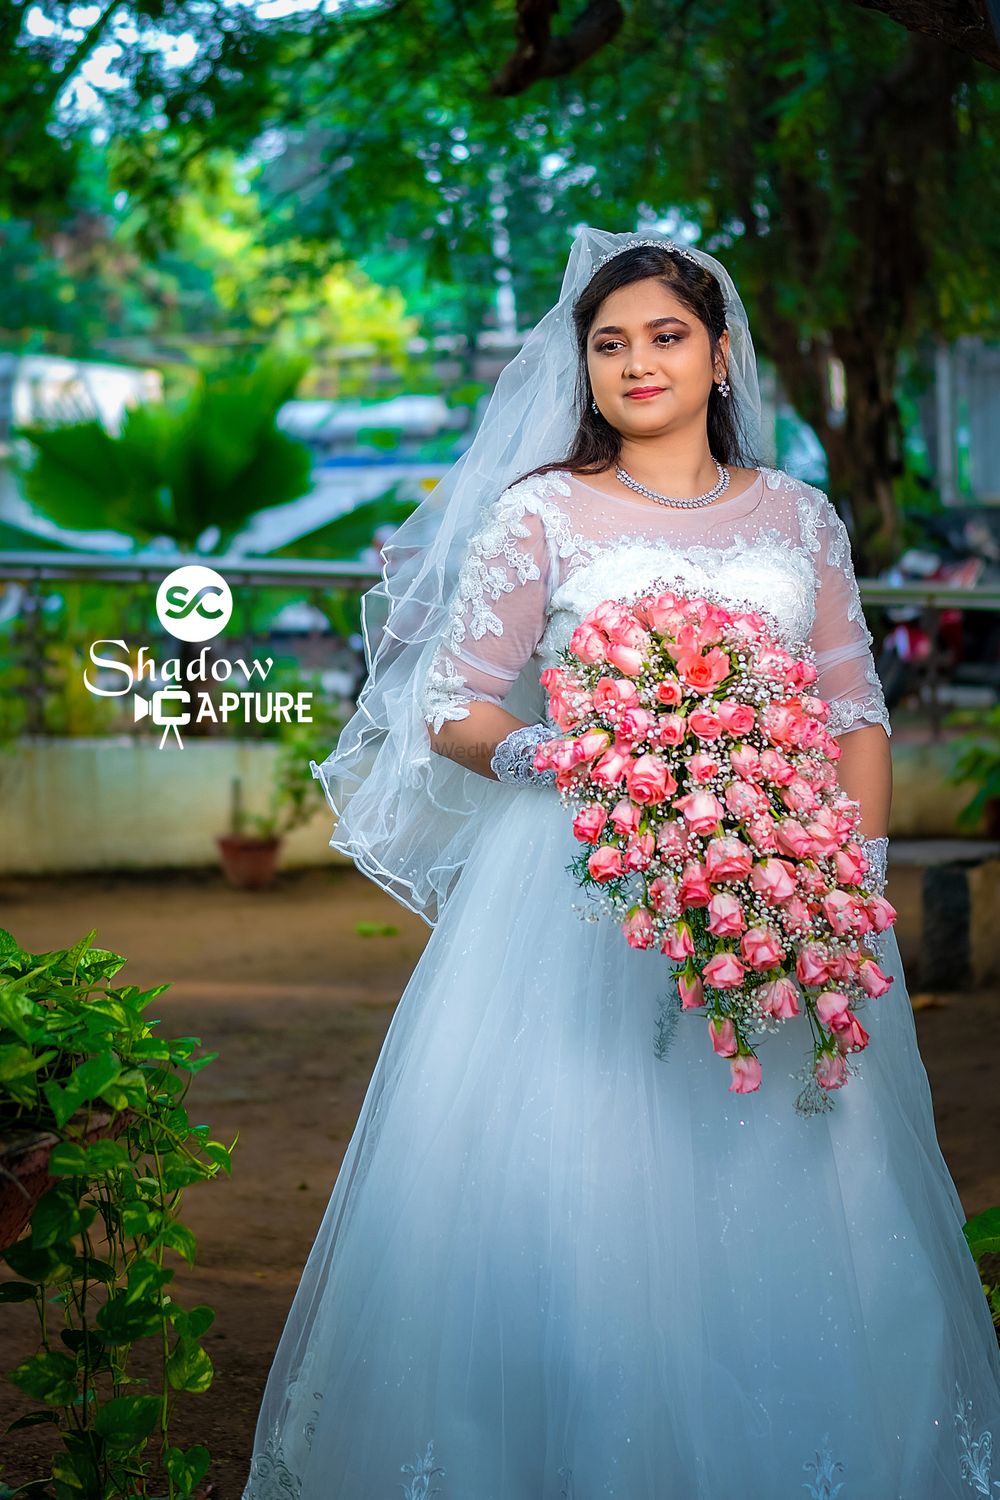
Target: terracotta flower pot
249,862
24,1160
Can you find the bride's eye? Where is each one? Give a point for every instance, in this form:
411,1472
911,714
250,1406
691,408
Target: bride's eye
601,348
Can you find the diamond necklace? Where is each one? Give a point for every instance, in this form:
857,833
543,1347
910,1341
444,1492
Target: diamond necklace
719,488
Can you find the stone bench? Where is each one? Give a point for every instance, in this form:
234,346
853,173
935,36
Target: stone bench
960,909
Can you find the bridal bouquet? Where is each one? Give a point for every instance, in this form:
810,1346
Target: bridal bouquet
704,786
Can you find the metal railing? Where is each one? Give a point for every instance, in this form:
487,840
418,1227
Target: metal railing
39,568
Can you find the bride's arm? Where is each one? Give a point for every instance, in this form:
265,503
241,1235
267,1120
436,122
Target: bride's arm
497,618
848,679
471,742
864,770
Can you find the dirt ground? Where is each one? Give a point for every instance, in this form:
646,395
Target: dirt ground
297,1000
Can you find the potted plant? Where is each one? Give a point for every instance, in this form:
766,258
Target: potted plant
96,1148
249,851
976,757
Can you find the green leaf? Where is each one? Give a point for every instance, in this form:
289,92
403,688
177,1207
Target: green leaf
47,1376
180,1238
59,1216
193,1322
125,1422
85,1083
17,1061
34,1419
53,1263
186,1469
982,1232
189,1367
16,1291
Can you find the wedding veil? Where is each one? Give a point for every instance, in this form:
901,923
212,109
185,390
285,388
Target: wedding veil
406,815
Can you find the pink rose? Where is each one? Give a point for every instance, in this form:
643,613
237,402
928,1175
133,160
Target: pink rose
624,629
611,694
746,1074
669,691
588,825
649,780
723,1036
705,723
704,673
701,810
799,796
635,723
626,658
588,644
793,839
853,1037
691,991
776,767
671,730
677,941
638,929
662,894
881,912
844,913
745,761
728,858
724,971
590,745
611,769
812,964
673,838
762,948
625,816
736,718
831,1070
871,978
774,879
702,767
779,998
605,863
639,851
694,884
725,915
833,1009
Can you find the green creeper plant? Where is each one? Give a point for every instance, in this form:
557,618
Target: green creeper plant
76,1052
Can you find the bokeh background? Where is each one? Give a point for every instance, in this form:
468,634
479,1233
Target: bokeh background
260,266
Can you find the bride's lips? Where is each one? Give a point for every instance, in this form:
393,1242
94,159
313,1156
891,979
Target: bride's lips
644,391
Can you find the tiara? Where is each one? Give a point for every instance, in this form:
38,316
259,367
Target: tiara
663,244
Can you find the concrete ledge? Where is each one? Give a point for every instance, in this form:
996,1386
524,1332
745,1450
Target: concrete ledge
103,804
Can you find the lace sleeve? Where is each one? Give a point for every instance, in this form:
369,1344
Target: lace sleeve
840,635
498,612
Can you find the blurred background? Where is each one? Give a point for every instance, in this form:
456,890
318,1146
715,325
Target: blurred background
260,267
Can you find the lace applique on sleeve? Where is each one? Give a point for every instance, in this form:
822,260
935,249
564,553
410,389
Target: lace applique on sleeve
840,636
498,611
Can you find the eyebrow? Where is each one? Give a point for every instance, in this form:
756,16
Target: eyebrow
653,323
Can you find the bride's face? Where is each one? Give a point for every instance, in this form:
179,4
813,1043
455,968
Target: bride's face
644,336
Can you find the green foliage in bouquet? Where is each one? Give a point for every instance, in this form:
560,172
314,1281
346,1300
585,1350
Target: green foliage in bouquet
982,1233
74,1050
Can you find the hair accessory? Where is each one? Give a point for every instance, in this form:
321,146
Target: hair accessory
663,244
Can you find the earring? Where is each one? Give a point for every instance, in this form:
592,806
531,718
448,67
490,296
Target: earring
724,387
594,405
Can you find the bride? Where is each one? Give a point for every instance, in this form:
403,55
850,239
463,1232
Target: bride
557,1264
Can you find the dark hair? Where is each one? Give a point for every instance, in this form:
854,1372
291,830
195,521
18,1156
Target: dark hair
597,444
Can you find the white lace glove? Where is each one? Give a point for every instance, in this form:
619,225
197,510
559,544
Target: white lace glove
876,851
512,759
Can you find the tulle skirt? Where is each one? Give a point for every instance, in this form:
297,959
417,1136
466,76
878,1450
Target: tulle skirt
556,1266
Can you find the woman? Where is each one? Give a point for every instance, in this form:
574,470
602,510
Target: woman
557,1263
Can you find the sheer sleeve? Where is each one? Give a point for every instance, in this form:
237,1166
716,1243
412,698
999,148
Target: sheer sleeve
840,635
497,615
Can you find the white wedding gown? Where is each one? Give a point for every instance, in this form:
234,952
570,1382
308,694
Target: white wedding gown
555,1266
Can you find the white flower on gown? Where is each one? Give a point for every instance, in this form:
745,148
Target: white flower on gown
557,1267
